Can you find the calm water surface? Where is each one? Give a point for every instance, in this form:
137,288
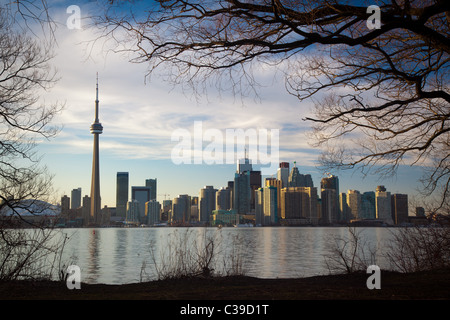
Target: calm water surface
124,255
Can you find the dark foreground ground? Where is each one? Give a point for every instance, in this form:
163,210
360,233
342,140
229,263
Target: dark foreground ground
394,286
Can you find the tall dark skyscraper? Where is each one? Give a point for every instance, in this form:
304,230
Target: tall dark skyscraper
399,208
96,130
242,192
141,194
122,194
330,199
152,183
75,200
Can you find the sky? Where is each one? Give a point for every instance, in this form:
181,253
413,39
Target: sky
141,120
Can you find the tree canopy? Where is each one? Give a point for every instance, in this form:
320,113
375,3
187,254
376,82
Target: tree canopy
381,94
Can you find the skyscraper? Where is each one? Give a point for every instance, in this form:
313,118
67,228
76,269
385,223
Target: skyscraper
330,199
86,211
270,205
141,194
383,205
354,204
133,211
65,204
296,179
291,203
223,199
368,205
230,186
244,165
152,212
207,203
152,184
122,194
277,184
399,208
293,179
329,205
181,206
75,198
299,203
242,192
255,184
343,207
96,130
283,174
259,207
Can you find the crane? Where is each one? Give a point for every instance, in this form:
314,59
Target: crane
165,195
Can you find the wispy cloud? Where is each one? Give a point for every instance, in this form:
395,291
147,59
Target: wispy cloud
139,117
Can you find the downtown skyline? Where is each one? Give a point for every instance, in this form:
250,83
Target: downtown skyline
140,115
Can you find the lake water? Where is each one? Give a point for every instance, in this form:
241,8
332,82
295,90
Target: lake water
127,255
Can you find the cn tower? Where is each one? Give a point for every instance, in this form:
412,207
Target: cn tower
96,130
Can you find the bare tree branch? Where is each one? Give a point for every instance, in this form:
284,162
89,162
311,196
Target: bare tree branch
381,95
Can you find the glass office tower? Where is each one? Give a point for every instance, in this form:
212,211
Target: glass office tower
122,194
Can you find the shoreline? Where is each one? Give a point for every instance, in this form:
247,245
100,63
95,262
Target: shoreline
427,285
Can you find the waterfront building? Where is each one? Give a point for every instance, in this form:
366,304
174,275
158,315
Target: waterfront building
330,199
166,210
242,192
122,187
167,203
230,186
354,204
368,205
195,213
244,165
270,205
383,205
105,217
133,211
329,206
283,174
259,207
420,212
207,203
152,212
255,184
65,204
75,198
343,207
296,179
181,209
399,208
224,218
223,199
152,184
141,194
277,184
299,205
86,210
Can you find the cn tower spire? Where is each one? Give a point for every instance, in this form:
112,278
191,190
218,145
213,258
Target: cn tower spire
96,130
96,101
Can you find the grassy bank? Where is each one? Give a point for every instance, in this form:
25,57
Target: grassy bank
423,285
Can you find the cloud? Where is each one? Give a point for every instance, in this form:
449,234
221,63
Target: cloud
139,118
